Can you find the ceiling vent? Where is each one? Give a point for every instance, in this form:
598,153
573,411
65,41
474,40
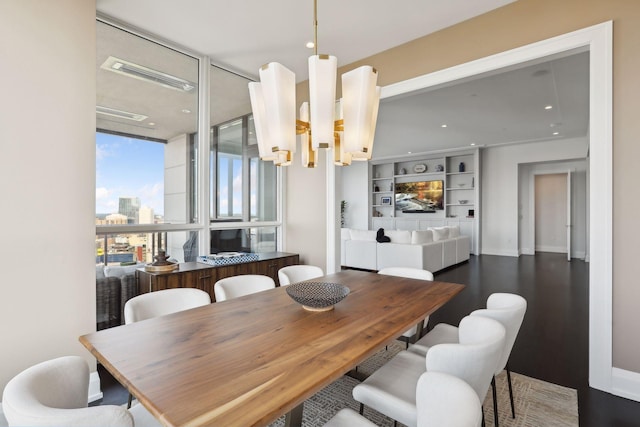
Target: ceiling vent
143,73
120,114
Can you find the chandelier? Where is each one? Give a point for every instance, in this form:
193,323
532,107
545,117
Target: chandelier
346,125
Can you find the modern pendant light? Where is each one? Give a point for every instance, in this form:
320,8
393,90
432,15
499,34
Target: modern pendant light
347,125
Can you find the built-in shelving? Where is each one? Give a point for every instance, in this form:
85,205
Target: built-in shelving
458,172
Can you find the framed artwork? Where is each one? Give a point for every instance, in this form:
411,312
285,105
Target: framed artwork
385,200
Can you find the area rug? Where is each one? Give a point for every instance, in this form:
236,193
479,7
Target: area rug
537,403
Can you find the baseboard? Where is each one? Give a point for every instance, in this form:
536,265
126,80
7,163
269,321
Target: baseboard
555,249
500,252
625,384
95,393
527,251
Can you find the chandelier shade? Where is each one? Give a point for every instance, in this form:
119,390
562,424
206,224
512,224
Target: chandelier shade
322,97
306,150
360,100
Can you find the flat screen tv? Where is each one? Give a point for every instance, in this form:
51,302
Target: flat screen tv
420,196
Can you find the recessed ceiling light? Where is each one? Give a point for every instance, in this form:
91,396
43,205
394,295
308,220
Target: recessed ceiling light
443,126
556,133
473,143
140,72
152,124
120,113
310,45
409,152
548,107
186,111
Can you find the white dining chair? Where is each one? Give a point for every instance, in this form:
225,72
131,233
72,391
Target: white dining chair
237,286
410,335
441,400
391,389
298,273
509,310
160,303
54,393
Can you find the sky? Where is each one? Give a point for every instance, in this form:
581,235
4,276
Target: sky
128,167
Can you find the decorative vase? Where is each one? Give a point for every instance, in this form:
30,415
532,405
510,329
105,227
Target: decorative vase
461,167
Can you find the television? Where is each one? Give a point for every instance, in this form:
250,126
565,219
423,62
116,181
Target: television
420,196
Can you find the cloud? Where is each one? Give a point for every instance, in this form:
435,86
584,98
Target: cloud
102,193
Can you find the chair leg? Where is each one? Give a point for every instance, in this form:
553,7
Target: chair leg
362,409
129,401
495,401
483,417
513,410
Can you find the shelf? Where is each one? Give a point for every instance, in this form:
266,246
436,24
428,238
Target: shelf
418,174
460,188
459,204
461,173
382,192
381,206
382,179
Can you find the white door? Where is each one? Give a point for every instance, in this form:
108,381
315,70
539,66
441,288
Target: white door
569,216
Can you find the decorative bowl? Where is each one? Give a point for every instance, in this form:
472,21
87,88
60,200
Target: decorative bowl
461,185
317,296
463,202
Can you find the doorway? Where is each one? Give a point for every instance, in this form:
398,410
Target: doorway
552,213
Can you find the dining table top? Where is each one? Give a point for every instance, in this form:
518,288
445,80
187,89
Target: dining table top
249,360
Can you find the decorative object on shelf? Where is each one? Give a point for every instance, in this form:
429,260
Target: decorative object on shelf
376,188
317,296
343,210
462,184
419,168
162,263
473,180
471,213
385,200
461,167
391,186
439,168
453,216
348,129
403,171
463,202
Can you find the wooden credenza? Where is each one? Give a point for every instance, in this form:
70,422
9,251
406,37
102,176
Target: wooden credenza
204,276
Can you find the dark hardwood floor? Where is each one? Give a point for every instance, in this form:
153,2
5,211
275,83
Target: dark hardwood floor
553,341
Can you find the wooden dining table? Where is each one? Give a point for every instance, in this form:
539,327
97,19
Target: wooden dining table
249,360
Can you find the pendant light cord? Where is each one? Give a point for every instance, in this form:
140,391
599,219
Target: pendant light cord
315,27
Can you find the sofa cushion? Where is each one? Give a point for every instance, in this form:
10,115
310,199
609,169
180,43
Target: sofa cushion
99,271
399,236
421,236
369,235
119,271
440,233
454,231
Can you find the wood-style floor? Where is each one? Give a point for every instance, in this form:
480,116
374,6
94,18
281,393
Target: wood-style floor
553,341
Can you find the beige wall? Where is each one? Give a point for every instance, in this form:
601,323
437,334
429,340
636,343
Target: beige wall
528,21
47,180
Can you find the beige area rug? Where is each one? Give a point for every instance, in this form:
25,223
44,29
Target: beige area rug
538,403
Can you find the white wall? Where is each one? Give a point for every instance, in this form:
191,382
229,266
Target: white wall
355,190
579,195
499,190
47,180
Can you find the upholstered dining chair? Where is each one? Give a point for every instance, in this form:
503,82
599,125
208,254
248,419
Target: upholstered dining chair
509,310
410,335
391,389
297,273
441,400
159,303
237,286
54,393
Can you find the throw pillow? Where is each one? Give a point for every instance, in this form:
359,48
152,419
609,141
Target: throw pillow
454,231
440,233
419,237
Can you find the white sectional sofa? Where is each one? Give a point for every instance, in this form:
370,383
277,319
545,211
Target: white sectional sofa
432,249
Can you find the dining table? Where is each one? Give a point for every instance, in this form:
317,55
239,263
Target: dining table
250,360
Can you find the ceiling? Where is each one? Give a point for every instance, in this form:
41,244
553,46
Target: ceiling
504,107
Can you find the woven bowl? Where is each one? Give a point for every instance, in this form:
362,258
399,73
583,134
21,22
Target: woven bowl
317,296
